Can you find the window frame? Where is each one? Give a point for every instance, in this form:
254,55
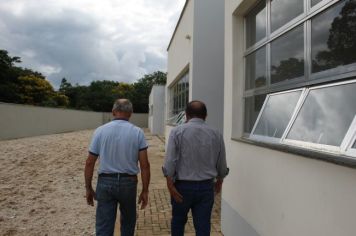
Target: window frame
315,146
177,92
264,138
349,140
305,19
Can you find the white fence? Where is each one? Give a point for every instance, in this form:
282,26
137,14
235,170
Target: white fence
17,121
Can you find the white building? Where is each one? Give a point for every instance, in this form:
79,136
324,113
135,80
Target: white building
196,62
156,116
289,120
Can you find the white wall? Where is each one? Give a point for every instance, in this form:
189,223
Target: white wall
180,54
203,53
138,119
208,59
156,119
272,193
17,121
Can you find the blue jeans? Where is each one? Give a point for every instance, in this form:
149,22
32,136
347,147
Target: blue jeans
199,197
111,191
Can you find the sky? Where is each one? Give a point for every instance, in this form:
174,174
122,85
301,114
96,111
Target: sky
87,40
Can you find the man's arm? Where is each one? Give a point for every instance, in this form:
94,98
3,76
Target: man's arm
221,166
88,175
145,177
169,167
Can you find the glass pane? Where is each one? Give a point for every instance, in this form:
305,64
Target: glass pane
314,2
287,56
354,146
175,99
187,88
325,115
179,95
256,24
334,37
256,69
277,114
183,93
253,106
283,11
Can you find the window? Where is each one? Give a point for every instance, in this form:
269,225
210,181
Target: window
321,117
256,24
179,97
253,106
287,56
276,114
300,76
326,115
333,40
310,47
283,11
256,72
314,2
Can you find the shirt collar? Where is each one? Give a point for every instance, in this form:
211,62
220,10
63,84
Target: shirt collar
196,120
121,119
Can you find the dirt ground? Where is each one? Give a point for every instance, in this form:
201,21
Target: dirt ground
42,189
42,186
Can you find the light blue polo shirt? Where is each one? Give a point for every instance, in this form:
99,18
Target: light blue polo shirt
117,144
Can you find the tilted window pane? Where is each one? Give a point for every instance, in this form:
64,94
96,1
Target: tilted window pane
325,115
314,2
256,69
334,37
283,11
277,114
253,106
256,24
287,56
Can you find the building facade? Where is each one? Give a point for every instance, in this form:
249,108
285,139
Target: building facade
156,113
289,118
196,62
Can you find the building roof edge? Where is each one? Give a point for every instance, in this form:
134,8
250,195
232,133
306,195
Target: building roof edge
179,20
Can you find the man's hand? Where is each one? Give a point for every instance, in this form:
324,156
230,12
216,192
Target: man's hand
90,195
218,185
143,199
173,191
88,175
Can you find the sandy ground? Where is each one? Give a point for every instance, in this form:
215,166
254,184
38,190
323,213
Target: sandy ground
42,186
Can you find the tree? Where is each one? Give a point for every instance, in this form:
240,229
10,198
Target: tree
34,90
143,88
101,95
341,41
287,69
124,90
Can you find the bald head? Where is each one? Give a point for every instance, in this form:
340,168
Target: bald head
196,109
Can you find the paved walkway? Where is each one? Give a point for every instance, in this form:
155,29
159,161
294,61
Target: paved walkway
155,219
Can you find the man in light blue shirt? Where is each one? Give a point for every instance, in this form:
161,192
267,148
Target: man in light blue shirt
119,146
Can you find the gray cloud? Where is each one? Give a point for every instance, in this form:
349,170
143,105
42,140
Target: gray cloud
113,40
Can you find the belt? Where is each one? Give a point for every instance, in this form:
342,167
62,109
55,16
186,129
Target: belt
115,175
195,181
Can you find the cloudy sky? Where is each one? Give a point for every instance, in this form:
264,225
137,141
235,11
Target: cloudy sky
86,40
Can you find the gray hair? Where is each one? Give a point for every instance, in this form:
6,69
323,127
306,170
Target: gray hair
123,105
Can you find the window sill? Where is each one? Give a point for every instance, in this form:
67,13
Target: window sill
313,154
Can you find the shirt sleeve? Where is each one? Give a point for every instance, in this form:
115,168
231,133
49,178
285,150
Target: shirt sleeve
142,141
222,169
94,147
169,167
